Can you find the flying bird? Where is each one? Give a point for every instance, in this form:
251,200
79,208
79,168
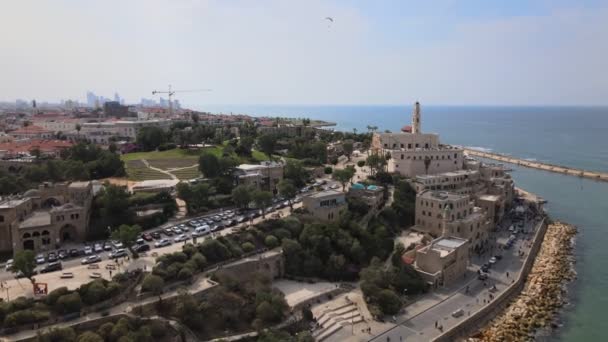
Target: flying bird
330,19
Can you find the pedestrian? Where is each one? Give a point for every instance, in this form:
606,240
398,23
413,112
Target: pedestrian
110,273
435,324
507,274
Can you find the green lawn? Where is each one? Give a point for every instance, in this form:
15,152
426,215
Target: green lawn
188,173
174,153
140,174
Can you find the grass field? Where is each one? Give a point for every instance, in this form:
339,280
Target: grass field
188,173
144,173
175,158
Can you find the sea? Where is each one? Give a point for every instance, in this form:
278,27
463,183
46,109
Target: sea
569,136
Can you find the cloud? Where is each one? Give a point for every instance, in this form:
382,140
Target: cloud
279,52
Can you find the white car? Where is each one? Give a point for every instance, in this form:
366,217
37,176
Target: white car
180,238
9,264
493,260
91,259
98,248
40,259
162,243
88,250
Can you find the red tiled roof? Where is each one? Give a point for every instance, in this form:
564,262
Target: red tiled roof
43,145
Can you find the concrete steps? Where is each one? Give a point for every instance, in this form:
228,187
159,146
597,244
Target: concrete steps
332,320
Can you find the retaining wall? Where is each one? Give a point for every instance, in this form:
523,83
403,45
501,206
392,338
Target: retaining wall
481,318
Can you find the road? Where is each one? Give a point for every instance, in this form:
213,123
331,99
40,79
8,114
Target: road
419,322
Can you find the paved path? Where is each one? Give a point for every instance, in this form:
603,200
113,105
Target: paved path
418,324
539,165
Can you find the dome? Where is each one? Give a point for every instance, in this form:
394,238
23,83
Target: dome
358,186
32,193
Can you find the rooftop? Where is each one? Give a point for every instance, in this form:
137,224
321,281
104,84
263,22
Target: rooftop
446,245
7,203
36,219
492,198
442,195
155,184
326,193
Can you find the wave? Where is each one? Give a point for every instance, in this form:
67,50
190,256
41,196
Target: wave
479,148
531,159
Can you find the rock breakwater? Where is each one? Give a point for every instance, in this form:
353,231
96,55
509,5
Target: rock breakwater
543,294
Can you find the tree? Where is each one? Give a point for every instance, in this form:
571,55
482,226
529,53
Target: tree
389,302
361,163
328,170
267,144
344,176
36,153
242,196
209,165
25,263
153,283
262,200
151,137
288,190
68,303
195,118
348,146
295,171
127,235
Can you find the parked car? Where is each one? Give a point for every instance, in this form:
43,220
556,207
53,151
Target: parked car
107,246
40,259
91,259
498,257
180,238
141,248
51,257
119,253
458,313
98,248
146,236
483,275
216,218
485,267
162,243
493,260
156,235
140,241
51,267
117,244
74,252
88,250
168,231
62,254
9,264
183,227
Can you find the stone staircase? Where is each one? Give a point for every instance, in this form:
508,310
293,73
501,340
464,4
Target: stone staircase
332,320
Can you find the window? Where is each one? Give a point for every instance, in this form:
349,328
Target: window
1,218
402,156
409,145
455,155
426,145
401,145
417,145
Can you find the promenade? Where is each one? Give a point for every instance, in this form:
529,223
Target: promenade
602,176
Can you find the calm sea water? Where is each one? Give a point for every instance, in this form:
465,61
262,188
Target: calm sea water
571,136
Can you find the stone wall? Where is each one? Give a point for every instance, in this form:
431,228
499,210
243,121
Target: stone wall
482,317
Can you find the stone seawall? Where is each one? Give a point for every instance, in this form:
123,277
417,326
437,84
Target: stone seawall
601,176
481,318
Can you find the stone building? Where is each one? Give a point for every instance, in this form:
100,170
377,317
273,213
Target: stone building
372,195
264,176
450,214
417,153
46,217
444,261
325,205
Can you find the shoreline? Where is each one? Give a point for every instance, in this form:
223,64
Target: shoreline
534,310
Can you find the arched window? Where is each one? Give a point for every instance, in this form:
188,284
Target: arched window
1,218
46,232
27,235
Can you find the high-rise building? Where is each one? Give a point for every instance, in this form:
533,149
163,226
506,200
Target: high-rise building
91,99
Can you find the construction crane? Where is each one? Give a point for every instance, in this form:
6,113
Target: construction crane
172,92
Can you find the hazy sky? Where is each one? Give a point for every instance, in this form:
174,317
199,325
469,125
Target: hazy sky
513,52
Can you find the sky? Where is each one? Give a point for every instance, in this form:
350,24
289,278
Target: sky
443,52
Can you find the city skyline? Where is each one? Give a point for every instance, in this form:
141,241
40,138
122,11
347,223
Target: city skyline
441,53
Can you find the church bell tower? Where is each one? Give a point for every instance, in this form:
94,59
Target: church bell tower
416,119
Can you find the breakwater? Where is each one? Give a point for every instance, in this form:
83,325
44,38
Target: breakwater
543,294
539,165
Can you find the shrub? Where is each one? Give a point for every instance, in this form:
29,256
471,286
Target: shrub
185,273
59,335
361,163
52,297
152,283
248,247
328,170
271,241
68,303
199,260
89,336
25,317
